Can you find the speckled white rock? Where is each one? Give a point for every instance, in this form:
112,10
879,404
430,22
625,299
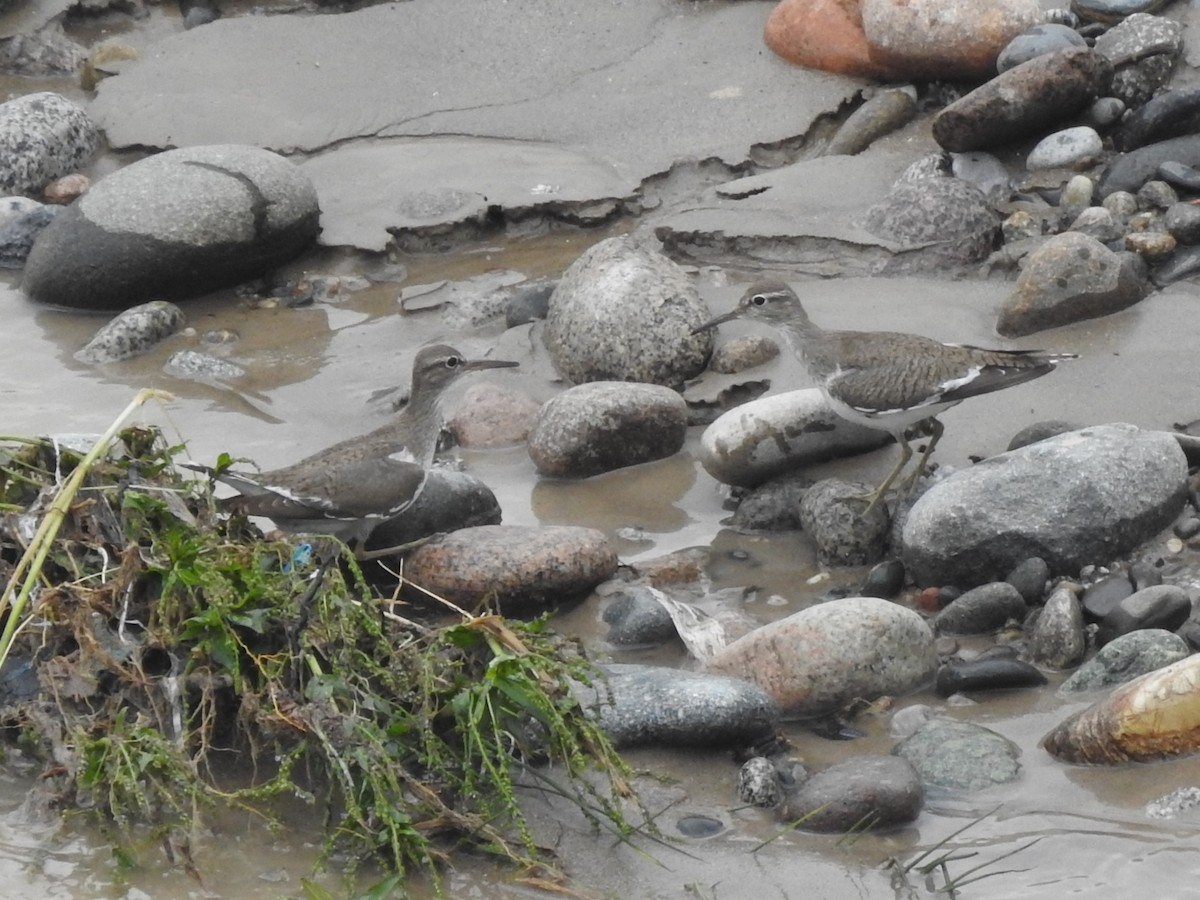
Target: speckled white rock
1065,148
42,137
776,434
132,332
826,655
622,312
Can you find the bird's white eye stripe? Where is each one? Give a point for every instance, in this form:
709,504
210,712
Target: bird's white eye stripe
759,299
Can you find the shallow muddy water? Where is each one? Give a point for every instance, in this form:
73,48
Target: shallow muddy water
317,374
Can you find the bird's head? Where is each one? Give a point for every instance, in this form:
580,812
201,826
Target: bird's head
772,302
438,365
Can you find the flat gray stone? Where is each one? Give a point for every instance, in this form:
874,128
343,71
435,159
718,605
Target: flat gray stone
578,98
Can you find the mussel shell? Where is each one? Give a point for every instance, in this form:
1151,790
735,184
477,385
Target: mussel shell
1152,717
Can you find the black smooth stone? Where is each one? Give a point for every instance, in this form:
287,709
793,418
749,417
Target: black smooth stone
884,580
1178,174
987,674
1030,577
1170,114
1105,595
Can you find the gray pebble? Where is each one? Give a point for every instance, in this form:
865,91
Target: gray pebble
132,332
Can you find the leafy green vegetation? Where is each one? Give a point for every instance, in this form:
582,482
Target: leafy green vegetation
182,663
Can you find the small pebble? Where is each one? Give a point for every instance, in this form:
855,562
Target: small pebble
1121,204
1178,174
1156,195
1078,191
1153,245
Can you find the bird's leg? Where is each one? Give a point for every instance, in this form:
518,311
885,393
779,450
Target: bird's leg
365,555
936,429
875,495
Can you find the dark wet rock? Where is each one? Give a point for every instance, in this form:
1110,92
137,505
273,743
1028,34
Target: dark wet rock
1130,171
944,40
643,706
1170,114
515,569
1125,658
987,674
42,136
1156,194
1023,101
193,365
625,313
1105,595
1183,221
1029,577
960,755
1083,497
772,506
1069,278
946,218
1066,148
1134,85
883,790
817,660
1179,175
18,234
831,513
490,415
449,501
1057,639
1039,431
605,425
981,609
759,784
775,434
132,332
1113,11
529,303
1184,263
888,110
46,52
1165,606
635,618
699,827
1039,40
743,353
884,580
174,225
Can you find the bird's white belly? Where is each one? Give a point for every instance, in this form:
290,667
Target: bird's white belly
893,420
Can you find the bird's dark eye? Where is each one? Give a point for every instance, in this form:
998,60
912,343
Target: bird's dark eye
453,362
758,300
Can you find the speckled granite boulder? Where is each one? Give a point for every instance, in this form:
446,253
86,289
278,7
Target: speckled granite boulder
174,225
132,332
625,313
606,425
960,755
1125,658
42,136
516,569
1087,496
826,655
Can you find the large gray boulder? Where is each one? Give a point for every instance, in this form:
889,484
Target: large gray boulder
175,225
625,313
1087,496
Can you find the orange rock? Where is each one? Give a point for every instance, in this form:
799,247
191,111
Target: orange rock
64,190
823,34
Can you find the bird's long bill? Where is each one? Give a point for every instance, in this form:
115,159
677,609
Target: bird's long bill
717,320
474,365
